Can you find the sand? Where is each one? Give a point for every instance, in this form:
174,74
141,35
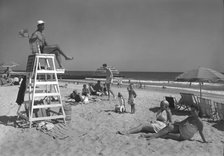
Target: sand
94,125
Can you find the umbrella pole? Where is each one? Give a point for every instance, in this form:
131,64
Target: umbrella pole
200,85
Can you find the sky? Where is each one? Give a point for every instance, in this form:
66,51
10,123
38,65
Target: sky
131,35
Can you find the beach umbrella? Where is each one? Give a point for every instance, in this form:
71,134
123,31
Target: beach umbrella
9,65
201,75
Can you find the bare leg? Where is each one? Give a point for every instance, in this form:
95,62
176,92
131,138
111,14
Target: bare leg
112,93
63,54
132,108
52,48
108,90
58,58
138,129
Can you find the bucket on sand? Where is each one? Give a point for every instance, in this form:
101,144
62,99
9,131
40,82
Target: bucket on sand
68,112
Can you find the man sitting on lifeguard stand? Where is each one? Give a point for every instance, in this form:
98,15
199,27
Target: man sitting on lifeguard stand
38,43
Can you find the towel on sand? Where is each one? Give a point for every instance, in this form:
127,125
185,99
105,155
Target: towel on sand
59,131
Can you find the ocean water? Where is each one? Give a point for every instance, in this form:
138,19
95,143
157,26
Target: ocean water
154,76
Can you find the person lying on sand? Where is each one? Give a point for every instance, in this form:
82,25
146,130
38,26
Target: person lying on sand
163,117
183,130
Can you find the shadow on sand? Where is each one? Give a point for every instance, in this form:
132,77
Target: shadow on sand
219,125
113,111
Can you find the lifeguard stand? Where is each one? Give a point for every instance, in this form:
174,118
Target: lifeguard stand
43,89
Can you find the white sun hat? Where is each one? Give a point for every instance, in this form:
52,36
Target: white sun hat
40,22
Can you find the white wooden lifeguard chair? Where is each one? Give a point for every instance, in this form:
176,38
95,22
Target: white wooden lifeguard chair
43,88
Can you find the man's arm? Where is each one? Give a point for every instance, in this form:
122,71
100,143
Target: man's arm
169,116
33,38
200,129
202,136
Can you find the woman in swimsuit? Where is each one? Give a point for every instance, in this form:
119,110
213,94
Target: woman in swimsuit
183,130
163,117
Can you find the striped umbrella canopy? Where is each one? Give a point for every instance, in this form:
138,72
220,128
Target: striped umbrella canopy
10,65
201,75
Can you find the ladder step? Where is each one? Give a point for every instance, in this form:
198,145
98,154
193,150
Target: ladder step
45,56
60,71
46,82
43,71
47,106
47,118
46,94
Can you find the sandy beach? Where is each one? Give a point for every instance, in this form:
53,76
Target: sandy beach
94,125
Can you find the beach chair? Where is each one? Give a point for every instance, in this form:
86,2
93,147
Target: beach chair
172,101
206,108
186,101
220,110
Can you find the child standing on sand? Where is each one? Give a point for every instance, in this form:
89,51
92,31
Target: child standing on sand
131,96
121,107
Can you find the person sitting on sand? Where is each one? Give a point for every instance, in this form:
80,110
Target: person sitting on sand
121,107
76,96
79,98
85,90
163,117
93,91
183,130
98,87
131,96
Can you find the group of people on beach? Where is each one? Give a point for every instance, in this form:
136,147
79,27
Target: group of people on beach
131,92
100,90
163,126
87,91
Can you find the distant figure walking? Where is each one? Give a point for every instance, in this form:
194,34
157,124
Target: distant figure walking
38,42
109,80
